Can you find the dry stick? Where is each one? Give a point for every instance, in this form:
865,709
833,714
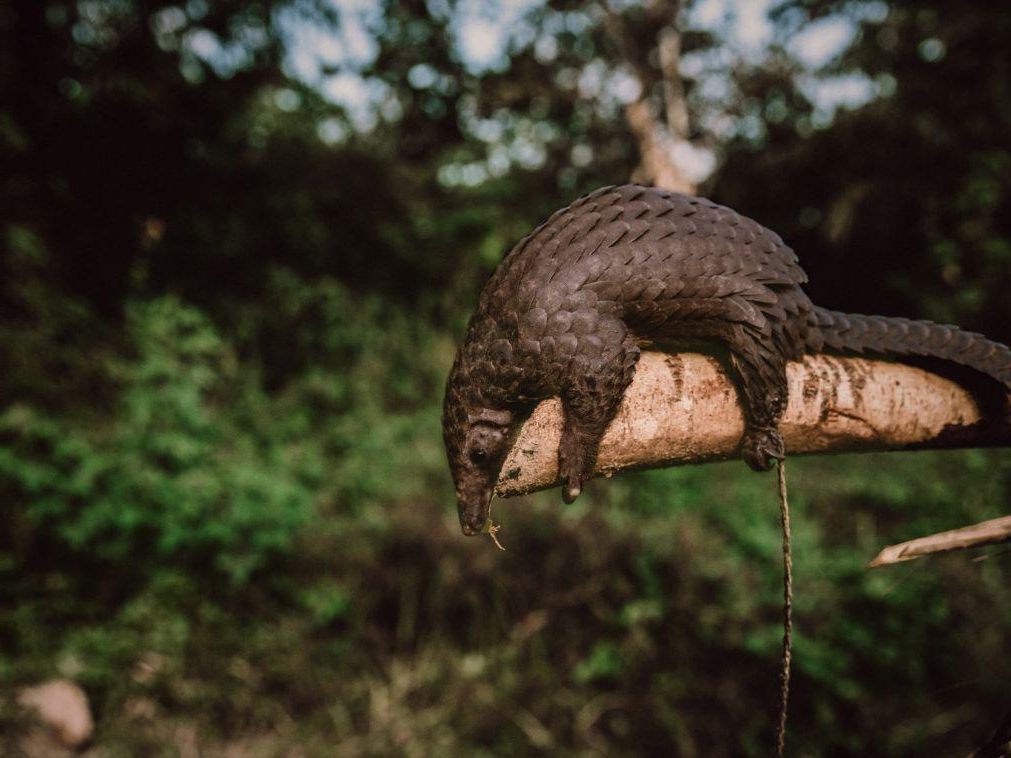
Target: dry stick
784,684
985,533
493,530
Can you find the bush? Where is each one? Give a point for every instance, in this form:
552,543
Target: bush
183,469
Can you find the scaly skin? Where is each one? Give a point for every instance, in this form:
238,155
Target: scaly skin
566,311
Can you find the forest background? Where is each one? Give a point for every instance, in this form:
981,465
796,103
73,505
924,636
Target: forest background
240,241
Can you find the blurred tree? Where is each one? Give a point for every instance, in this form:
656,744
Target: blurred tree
902,206
105,125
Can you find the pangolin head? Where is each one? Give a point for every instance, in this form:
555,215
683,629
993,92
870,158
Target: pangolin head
478,436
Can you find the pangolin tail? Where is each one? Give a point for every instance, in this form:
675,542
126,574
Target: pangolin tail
900,337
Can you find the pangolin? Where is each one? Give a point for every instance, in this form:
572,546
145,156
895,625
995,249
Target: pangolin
567,310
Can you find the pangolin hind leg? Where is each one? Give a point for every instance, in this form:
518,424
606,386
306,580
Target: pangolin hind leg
761,380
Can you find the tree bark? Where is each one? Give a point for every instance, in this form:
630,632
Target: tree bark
682,408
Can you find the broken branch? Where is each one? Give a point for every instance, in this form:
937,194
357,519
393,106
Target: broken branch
985,533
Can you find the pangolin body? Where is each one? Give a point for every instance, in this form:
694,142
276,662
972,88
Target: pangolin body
566,311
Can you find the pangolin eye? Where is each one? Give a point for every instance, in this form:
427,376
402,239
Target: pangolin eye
478,455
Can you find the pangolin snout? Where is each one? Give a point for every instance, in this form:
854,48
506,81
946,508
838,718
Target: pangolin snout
473,509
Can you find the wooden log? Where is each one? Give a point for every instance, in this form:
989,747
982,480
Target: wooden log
682,408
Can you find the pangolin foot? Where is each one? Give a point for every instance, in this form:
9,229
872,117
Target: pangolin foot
761,447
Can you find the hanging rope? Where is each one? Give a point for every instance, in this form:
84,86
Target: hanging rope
784,682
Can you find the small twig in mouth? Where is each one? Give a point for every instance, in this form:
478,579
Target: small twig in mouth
493,530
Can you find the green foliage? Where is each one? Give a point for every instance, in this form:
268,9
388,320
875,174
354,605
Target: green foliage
603,663
354,378
170,474
194,463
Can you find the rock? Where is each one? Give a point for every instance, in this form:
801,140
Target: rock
63,707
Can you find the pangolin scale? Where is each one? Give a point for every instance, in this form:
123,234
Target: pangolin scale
567,310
